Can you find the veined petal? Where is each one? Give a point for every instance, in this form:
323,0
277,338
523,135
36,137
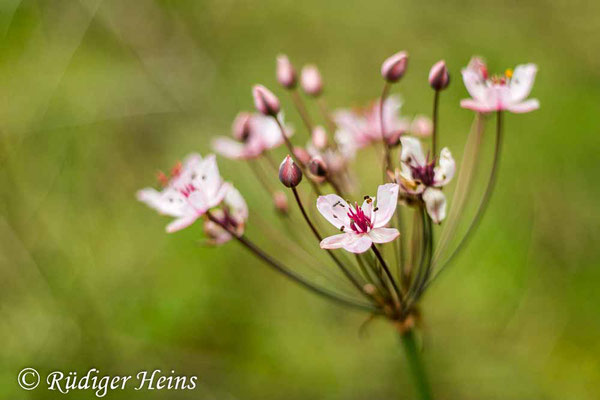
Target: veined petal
435,202
335,241
367,207
387,201
357,243
525,106
383,235
521,81
181,223
446,168
412,153
334,209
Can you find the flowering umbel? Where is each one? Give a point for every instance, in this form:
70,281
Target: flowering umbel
393,261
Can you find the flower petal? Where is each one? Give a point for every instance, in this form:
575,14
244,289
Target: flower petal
357,243
387,201
181,223
525,106
335,241
168,202
474,83
229,148
476,105
521,82
435,202
412,153
334,209
446,168
237,205
383,235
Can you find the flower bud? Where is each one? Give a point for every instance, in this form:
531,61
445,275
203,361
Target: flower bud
289,173
280,201
394,67
265,101
439,78
241,126
301,155
318,168
286,75
319,137
421,126
311,81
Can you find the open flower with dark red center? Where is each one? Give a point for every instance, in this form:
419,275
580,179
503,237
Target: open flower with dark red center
499,92
363,225
363,127
420,176
252,137
193,188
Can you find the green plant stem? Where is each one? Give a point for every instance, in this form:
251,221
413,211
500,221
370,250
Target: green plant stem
436,100
415,364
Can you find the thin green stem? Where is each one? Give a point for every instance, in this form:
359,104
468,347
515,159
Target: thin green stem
436,100
415,364
301,108
397,292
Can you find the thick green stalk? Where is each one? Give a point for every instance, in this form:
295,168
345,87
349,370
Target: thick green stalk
415,364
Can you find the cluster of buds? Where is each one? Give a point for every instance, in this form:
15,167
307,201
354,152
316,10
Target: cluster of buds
393,261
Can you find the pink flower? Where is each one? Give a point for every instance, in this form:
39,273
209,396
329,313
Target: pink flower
233,214
421,126
261,134
361,225
192,190
364,127
420,176
496,93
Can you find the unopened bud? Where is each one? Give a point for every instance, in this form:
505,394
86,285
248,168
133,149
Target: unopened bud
318,168
289,173
241,126
394,67
319,137
265,101
439,78
311,80
286,75
301,155
280,201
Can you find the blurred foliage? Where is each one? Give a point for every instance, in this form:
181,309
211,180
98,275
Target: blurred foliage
97,95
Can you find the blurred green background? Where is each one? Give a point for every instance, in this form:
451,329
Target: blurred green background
98,95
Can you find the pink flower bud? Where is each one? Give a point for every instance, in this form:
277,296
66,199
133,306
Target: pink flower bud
289,173
311,81
319,137
318,168
281,202
286,75
394,67
265,101
241,126
439,78
301,155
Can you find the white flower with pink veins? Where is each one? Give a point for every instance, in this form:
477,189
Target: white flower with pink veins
254,134
361,225
191,191
499,92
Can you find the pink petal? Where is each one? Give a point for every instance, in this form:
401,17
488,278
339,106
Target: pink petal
387,200
181,223
334,209
522,81
474,84
228,148
383,235
523,107
475,105
334,242
357,243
